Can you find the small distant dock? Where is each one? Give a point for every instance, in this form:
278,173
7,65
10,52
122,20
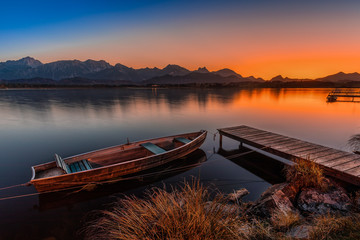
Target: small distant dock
338,164
343,96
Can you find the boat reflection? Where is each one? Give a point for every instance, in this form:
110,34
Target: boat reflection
68,198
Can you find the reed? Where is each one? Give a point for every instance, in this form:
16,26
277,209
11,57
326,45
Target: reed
184,213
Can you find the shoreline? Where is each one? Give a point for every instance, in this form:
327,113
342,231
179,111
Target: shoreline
244,85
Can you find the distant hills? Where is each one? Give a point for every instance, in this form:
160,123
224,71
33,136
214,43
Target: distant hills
30,70
336,78
90,72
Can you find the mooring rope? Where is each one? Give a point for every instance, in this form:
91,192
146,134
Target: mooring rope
17,185
214,134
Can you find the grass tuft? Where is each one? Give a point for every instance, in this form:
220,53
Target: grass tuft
336,227
260,230
306,173
183,213
283,221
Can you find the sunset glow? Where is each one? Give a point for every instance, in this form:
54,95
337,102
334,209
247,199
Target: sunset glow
295,39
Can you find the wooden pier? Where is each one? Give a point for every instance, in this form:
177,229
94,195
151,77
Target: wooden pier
344,95
338,164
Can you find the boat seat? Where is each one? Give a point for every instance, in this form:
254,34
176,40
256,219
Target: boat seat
78,166
183,140
61,164
153,148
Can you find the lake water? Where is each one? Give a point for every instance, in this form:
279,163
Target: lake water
35,124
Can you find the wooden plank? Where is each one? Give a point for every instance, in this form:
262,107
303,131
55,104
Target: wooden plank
307,147
348,165
153,148
300,146
72,168
236,127
247,132
308,154
293,147
354,171
338,161
82,166
257,136
87,164
324,154
252,135
244,131
290,145
267,139
77,167
276,143
331,157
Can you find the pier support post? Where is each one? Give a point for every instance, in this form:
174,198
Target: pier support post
241,145
221,140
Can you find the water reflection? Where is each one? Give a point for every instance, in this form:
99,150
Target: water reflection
266,168
35,124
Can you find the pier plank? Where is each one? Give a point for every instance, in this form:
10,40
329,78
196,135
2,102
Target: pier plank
306,147
341,160
331,157
322,155
292,145
308,153
259,137
269,139
354,171
348,165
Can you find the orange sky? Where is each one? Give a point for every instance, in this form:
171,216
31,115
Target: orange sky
298,39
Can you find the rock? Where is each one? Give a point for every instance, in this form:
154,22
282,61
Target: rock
315,201
272,200
357,202
300,232
237,195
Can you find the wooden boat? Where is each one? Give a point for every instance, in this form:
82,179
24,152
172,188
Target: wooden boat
113,162
152,176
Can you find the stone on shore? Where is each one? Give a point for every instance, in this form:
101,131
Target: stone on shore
273,200
314,201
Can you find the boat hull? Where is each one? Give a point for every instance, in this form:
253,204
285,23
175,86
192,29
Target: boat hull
114,171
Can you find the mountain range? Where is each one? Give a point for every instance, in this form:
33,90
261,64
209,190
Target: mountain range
100,71
29,69
338,78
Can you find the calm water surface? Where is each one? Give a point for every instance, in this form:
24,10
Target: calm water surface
35,124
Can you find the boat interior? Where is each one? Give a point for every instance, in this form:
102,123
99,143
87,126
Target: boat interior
109,156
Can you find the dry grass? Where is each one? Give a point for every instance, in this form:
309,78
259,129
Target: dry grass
259,230
336,227
184,213
306,173
283,221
